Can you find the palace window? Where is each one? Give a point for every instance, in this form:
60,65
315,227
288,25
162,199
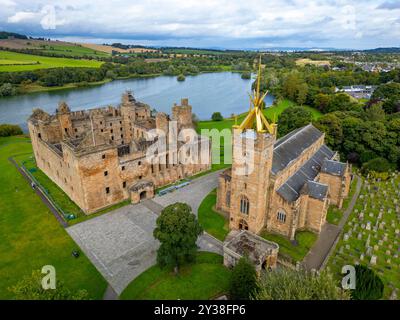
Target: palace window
281,216
103,156
105,173
124,184
39,135
244,205
228,199
112,131
108,190
123,168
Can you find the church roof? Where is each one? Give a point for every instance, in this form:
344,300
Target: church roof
316,190
334,167
291,189
291,146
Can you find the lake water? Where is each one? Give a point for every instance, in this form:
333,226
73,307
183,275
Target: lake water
209,92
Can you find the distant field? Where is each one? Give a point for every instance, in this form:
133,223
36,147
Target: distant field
53,47
303,62
191,51
11,62
109,49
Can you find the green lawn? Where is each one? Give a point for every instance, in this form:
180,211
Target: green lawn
305,241
31,237
334,213
211,221
207,278
26,62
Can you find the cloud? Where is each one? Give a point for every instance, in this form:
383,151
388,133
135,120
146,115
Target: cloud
389,5
212,22
22,16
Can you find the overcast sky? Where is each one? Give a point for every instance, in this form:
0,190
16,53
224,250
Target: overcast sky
211,23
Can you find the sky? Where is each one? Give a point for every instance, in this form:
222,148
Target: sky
230,24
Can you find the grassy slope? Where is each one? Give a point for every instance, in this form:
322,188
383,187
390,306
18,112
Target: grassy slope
30,236
73,50
305,241
212,222
205,279
44,62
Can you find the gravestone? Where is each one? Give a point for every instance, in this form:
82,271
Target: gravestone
373,260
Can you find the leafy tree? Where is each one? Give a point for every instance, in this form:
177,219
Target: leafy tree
7,89
243,282
377,165
177,230
286,284
293,118
217,116
301,95
389,94
30,288
246,75
332,126
375,113
321,102
368,284
7,130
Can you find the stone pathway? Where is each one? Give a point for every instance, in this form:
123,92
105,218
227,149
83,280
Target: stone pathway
121,244
326,242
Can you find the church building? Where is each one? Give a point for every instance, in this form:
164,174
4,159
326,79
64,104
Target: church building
292,182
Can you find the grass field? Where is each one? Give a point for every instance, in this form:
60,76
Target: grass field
207,278
305,241
12,61
31,237
303,62
73,50
211,221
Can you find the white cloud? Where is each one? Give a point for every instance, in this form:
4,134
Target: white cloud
328,22
22,16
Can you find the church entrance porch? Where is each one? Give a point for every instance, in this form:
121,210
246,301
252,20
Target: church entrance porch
141,191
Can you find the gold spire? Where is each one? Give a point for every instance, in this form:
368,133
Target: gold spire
255,118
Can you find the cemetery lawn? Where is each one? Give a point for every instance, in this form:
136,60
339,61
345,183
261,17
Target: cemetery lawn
212,222
205,279
31,237
335,214
384,234
305,240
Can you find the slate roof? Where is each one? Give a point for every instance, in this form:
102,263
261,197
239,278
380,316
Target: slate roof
291,146
316,190
291,189
334,167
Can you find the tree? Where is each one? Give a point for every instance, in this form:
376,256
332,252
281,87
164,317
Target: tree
293,118
331,125
30,288
302,91
246,75
375,112
217,116
389,94
321,101
286,284
377,165
181,77
7,130
368,284
7,89
177,230
243,282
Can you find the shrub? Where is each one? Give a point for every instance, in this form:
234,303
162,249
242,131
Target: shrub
7,130
368,284
243,283
376,165
217,116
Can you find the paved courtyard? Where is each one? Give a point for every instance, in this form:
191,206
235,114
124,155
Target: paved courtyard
121,244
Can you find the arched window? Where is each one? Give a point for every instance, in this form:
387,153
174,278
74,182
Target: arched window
281,216
244,205
228,199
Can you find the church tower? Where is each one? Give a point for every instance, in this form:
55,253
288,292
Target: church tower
253,146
